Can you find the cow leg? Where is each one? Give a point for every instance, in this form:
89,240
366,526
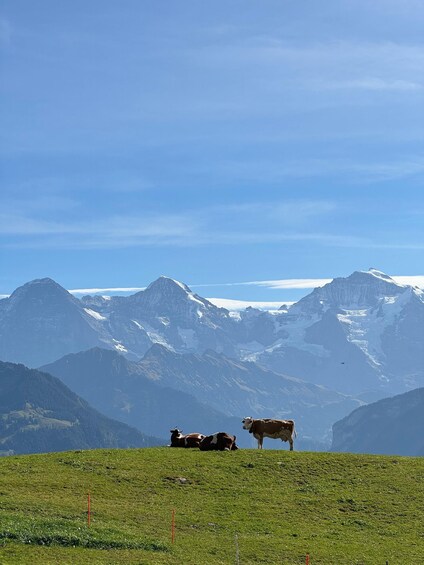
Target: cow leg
291,444
260,442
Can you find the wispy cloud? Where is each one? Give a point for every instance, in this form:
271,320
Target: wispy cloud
276,284
107,290
359,170
304,284
234,304
372,84
171,230
289,220
290,283
289,211
109,232
354,63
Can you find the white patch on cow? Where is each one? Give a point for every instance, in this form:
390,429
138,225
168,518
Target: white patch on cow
247,423
214,439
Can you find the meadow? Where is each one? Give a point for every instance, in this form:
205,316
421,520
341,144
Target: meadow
246,507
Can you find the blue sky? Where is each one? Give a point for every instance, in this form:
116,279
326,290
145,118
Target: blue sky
216,143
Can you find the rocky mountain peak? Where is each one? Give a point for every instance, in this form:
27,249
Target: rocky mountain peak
157,350
166,297
362,289
41,292
166,285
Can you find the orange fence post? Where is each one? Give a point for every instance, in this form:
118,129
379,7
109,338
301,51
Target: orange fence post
307,559
173,527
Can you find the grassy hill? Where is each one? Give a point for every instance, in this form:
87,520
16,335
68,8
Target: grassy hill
275,506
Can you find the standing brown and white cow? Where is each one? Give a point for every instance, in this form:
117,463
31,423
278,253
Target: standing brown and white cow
276,429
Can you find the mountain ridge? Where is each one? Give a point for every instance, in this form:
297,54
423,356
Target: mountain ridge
208,391
38,413
358,335
391,426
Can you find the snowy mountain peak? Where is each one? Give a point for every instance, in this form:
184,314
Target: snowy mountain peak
379,275
167,286
166,299
362,289
371,277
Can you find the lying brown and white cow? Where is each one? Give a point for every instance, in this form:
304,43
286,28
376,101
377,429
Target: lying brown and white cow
189,440
276,429
220,441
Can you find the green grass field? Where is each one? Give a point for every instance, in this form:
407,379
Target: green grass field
270,506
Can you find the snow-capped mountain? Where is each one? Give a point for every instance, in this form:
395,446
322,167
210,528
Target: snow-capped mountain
363,334
359,333
169,313
42,321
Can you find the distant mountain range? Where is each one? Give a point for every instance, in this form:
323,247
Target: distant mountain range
38,413
355,340
392,426
204,393
357,334
124,390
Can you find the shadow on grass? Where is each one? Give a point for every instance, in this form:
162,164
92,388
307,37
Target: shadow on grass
47,533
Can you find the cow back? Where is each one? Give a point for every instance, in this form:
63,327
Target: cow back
269,426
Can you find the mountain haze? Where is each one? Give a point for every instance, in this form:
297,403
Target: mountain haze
125,391
245,388
38,413
360,335
207,393
392,426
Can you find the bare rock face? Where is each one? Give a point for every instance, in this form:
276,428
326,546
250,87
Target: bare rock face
41,321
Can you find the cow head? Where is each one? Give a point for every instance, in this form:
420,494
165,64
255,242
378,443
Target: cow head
247,423
176,432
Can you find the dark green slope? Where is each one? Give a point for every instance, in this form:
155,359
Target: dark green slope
390,426
38,413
